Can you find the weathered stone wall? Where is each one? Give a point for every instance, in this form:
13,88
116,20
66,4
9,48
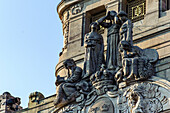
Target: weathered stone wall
154,32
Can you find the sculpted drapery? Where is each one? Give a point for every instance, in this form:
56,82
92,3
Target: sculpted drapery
118,85
112,38
94,51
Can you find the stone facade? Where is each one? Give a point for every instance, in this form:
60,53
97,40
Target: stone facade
150,32
39,104
137,91
147,91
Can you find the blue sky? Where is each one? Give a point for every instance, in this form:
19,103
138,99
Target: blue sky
30,41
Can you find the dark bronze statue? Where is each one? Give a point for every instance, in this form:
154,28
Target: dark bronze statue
112,38
126,28
10,103
14,103
125,65
137,63
94,54
66,88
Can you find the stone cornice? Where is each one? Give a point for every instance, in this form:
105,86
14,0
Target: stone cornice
64,4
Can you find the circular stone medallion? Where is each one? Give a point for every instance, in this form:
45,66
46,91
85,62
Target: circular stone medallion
102,105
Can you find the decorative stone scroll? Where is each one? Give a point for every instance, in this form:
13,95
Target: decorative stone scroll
76,9
122,83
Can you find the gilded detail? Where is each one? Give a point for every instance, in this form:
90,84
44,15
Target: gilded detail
138,11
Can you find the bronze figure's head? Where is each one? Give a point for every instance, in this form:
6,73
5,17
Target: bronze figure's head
69,63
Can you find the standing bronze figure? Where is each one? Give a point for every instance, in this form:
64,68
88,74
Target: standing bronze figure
126,28
94,53
112,38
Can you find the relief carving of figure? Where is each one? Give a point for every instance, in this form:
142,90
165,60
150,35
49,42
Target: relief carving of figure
66,88
112,38
94,53
142,98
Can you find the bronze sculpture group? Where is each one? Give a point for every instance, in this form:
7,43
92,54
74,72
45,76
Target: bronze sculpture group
124,62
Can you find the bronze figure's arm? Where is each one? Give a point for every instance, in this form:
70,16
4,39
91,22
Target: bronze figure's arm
59,80
129,31
104,24
75,76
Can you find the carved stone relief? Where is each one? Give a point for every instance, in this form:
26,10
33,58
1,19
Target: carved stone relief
102,105
142,98
65,20
76,9
66,28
